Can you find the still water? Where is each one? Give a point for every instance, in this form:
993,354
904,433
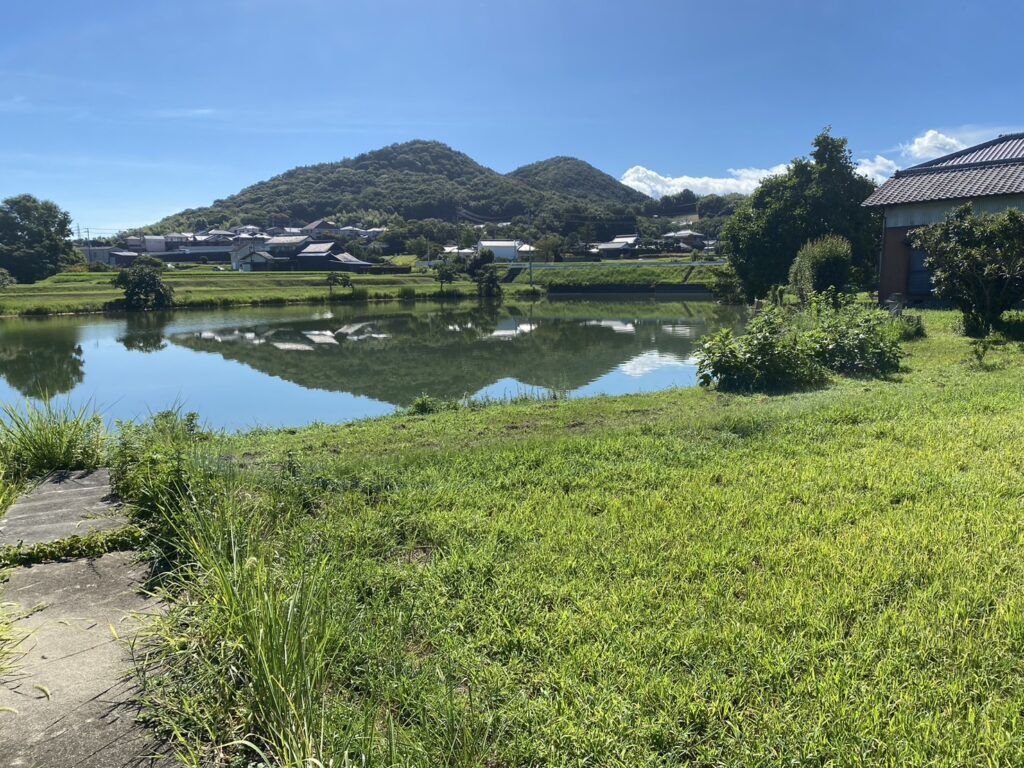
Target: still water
290,366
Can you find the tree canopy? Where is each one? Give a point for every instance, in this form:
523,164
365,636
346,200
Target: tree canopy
977,262
35,239
144,288
815,197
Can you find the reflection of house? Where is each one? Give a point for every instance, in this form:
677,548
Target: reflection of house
504,250
989,175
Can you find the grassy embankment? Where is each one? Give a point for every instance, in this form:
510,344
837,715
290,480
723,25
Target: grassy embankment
640,277
203,287
822,578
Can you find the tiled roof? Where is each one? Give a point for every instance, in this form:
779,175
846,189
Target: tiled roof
316,249
993,168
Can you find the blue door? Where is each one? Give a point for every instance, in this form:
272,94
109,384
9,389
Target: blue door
919,279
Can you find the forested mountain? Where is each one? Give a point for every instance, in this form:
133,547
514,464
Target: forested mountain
418,180
575,178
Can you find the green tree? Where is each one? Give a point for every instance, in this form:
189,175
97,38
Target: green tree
35,239
977,262
478,261
550,248
342,279
487,283
445,272
144,288
815,197
821,264
6,279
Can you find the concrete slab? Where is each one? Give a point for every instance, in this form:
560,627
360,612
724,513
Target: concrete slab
71,693
65,504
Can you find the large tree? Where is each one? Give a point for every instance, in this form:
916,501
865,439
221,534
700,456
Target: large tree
35,238
815,197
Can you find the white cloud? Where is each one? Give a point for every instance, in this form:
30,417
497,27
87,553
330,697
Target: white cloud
878,168
931,144
743,180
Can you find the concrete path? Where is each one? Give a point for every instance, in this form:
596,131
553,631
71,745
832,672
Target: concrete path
72,694
65,504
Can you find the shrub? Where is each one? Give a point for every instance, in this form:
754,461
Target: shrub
821,264
770,356
143,287
98,266
407,293
852,340
977,262
724,284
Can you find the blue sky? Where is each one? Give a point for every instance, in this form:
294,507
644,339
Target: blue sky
123,112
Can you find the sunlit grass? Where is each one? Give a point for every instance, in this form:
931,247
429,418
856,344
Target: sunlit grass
824,578
39,437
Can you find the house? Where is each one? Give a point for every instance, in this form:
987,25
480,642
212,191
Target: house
351,233
261,261
455,251
286,245
526,252
320,227
687,237
989,175
504,250
618,246
346,262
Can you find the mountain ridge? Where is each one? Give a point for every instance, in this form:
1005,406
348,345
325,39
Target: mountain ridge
417,179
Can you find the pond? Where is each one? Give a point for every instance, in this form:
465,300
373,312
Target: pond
289,366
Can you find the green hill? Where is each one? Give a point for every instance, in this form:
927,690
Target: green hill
416,180
574,178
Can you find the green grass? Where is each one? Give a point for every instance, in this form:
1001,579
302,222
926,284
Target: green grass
634,276
824,578
36,439
203,287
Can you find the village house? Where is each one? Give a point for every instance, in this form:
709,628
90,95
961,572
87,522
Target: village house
504,250
320,227
989,175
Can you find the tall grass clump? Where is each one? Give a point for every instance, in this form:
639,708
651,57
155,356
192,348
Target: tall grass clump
240,662
37,438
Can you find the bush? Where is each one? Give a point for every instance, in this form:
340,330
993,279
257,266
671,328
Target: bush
977,262
787,349
407,293
143,287
770,356
724,284
821,264
853,340
98,266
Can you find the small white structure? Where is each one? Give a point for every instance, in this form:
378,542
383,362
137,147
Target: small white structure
527,252
504,250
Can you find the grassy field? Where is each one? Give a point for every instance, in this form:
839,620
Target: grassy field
203,287
639,276
824,578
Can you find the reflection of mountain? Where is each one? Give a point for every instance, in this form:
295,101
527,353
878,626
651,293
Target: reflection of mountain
448,353
40,357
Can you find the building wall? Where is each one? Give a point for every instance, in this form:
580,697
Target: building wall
901,219
922,214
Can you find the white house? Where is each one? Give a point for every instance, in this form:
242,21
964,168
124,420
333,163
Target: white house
504,250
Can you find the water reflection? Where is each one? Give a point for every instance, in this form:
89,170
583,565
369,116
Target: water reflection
293,365
39,358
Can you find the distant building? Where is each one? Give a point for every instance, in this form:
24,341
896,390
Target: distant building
286,245
320,227
261,261
687,237
504,250
526,252
989,175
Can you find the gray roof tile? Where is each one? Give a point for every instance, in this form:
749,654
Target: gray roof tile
993,168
